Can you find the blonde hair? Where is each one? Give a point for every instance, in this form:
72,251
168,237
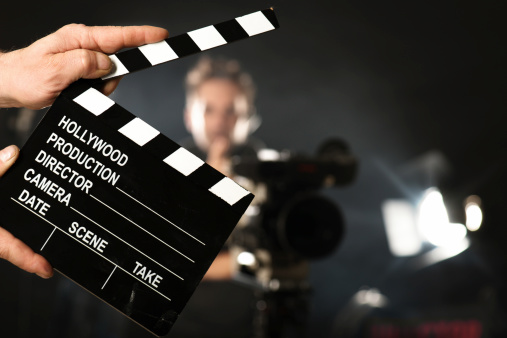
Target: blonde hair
207,68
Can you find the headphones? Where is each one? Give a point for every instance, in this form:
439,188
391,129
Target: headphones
245,125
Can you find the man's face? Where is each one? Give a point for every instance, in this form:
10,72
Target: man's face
218,104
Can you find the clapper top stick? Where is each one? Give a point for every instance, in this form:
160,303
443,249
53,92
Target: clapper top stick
116,206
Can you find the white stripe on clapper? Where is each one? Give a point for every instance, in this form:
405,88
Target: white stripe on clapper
94,101
139,131
207,37
158,52
118,68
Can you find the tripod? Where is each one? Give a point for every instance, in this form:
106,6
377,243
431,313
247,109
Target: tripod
283,300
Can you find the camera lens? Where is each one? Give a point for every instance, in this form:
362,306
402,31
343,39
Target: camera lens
310,225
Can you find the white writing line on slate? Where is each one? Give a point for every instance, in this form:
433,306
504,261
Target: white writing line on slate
165,219
75,239
140,227
107,280
47,240
88,218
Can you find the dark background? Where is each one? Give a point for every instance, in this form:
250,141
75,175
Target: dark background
395,80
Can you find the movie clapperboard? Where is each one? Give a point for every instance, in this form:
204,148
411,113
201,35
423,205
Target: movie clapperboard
117,207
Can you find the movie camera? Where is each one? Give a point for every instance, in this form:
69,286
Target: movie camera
291,222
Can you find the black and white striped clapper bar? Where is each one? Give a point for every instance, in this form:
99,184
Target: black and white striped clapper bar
193,42
118,207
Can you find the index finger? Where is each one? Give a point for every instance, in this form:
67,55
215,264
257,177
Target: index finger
106,39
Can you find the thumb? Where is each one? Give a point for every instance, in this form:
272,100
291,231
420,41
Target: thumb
218,149
217,155
11,248
82,63
8,156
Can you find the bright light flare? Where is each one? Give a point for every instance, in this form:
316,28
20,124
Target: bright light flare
432,211
447,235
401,229
440,254
473,213
268,155
246,258
433,221
371,297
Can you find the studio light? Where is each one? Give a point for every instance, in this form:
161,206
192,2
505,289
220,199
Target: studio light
473,213
400,225
433,221
246,258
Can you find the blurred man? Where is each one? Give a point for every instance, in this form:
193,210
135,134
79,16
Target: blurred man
220,117
220,112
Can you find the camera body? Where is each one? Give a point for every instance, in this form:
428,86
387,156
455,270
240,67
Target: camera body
290,222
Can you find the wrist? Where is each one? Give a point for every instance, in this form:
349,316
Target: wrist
6,98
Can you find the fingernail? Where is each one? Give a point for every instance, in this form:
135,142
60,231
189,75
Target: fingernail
7,153
48,273
103,62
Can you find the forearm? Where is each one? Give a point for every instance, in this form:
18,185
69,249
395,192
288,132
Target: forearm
221,268
16,76
5,96
31,77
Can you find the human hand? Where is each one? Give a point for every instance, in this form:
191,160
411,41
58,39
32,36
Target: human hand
218,155
11,248
221,268
34,76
